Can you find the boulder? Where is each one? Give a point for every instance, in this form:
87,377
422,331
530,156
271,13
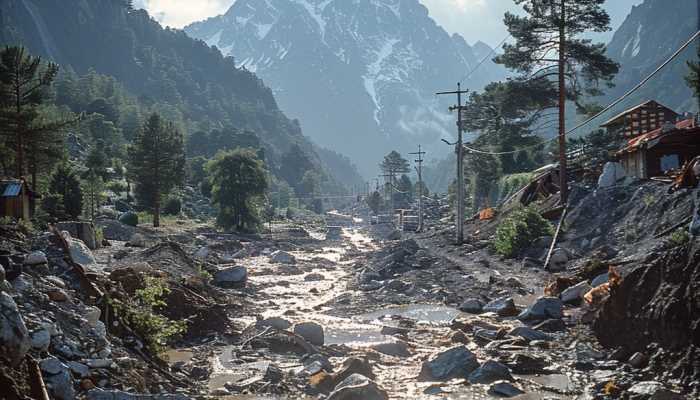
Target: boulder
543,308
58,378
35,258
79,370
395,349
505,307
231,277
529,333
357,386
282,257
14,336
129,218
457,362
558,261
612,173
41,340
311,331
651,390
79,252
574,294
638,360
472,306
504,389
489,372
599,280
84,231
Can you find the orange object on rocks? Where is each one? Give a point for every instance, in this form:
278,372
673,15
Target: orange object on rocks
487,213
597,295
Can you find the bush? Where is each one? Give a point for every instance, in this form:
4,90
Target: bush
129,218
679,237
172,206
519,229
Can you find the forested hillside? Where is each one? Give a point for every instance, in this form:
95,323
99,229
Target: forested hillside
120,63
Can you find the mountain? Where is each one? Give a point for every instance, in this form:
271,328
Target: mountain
181,77
650,34
360,75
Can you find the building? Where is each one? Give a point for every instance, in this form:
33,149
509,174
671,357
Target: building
664,149
640,119
15,199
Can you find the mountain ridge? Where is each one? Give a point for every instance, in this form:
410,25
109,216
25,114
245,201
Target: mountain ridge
353,72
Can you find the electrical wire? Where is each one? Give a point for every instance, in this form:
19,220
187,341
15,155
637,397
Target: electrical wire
483,60
606,109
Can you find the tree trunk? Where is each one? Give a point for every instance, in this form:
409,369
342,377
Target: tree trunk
564,189
156,211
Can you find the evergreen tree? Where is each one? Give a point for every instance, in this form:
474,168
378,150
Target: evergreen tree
293,165
403,195
23,89
239,181
65,183
394,163
548,45
93,192
374,202
693,77
157,163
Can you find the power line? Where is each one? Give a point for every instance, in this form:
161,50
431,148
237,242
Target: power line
606,109
483,60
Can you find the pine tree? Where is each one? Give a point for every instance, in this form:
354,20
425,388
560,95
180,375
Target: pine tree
157,163
65,183
548,45
239,181
394,163
93,192
24,81
374,202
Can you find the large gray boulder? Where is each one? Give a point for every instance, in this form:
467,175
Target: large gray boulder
311,331
356,387
231,277
14,336
505,307
58,378
489,372
457,362
79,252
282,257
472,306
543,308
574,294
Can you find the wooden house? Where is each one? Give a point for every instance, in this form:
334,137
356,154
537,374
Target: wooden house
640,119
15,199
655,153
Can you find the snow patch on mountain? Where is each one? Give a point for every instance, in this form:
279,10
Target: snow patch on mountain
374,76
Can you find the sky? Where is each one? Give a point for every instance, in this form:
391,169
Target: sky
474,19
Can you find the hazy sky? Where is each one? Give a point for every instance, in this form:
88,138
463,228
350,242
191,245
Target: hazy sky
473,19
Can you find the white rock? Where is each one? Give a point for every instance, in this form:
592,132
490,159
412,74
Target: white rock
612,173
36,258
575,293
92,315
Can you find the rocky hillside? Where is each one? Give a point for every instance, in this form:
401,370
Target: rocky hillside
652,32
187,80
353,72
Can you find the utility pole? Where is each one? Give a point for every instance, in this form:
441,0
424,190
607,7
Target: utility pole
459,215
563,182
390,186
419,169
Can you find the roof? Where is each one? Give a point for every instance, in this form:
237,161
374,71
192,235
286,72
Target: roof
10,188
622,114
686,126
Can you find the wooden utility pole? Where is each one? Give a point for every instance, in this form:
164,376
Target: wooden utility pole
419,169
390,185
459,150
563,182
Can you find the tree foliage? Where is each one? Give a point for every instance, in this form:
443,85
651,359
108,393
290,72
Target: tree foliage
374,202
519,229
157,163
538,42
239,180
24,81
64,182
394,163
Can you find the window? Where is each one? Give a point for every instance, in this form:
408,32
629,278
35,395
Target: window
669,162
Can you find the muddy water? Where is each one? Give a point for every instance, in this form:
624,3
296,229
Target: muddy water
284,291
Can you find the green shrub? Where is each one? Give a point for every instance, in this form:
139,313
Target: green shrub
129,218
518,230
172,206
679,237
140,313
